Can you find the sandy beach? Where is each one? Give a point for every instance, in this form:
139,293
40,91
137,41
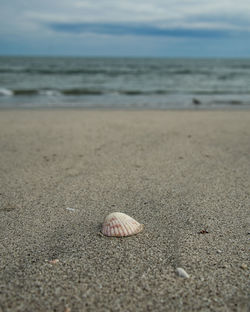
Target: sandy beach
185,175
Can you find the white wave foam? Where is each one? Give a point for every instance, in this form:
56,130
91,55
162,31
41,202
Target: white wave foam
49,92
5,92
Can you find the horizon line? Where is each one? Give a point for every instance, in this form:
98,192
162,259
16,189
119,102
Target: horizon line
123,56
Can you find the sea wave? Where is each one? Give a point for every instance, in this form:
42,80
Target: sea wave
28,92
107,72
229,102
146,72
5,92
80,91
49,92
76,92
99,92
143,92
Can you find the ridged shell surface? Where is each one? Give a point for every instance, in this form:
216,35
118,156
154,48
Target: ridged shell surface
119,224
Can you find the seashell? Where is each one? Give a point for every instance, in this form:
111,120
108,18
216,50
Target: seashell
119,224
182,273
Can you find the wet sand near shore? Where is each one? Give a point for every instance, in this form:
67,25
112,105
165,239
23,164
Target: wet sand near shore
184,175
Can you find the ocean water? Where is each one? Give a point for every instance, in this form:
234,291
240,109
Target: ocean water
124,83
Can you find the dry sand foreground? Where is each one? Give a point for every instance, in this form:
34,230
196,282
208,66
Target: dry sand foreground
178,173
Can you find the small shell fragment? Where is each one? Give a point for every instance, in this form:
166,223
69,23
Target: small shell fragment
119,224
54,261
182,273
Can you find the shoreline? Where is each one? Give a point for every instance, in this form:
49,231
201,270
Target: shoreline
233,108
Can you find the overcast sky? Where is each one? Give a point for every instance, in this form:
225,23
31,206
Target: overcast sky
171,28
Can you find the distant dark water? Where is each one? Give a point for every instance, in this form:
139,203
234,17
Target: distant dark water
124,82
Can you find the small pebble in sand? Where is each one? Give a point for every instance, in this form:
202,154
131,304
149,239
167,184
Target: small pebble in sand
182,273
203,232
70,209
54,261
243,266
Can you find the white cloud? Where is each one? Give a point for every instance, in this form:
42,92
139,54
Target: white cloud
164,12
